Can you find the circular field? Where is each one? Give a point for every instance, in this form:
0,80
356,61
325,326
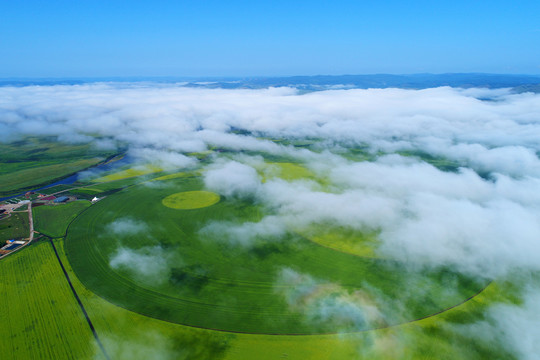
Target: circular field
345,240
188,200
204,268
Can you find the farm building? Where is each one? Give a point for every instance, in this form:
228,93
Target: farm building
50,197
61,199
11,245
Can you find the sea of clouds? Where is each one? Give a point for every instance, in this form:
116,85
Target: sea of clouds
482,220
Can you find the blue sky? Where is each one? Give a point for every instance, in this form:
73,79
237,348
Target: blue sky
251,38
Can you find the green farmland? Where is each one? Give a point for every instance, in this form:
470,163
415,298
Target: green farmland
40,317
207,282
129,335
31,162
53,220
14,226
45,322
160,267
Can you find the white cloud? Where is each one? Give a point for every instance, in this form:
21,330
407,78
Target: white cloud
185,119
425,216
323,303
126,226
164,159
518,325
232,179
514,327
148,264
270,228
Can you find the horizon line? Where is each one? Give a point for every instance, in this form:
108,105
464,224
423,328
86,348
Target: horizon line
239,77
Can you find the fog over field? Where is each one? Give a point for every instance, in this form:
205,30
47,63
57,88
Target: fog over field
481,218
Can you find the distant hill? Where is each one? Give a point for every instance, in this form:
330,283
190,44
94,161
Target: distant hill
520,83
415,81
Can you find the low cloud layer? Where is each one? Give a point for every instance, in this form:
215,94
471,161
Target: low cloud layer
324,303
126,226
151,265
452,122
453,177
232,179
517,326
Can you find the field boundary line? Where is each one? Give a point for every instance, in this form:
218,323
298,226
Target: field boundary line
80,302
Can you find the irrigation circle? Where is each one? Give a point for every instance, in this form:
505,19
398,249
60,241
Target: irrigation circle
188,200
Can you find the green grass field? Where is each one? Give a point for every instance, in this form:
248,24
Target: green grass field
284,170
158,280
128,173
40,317
175,176
41,320
28,178
207,281
31,162
14,226
343,239
53,220
127,335
87,191
56,189
105,187
189,200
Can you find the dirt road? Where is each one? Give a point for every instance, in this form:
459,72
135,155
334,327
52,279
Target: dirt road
31,222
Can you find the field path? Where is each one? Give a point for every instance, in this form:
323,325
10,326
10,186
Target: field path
31,222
